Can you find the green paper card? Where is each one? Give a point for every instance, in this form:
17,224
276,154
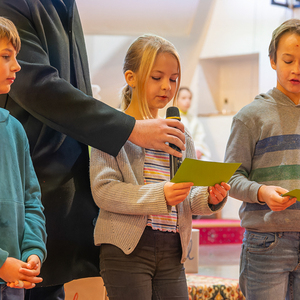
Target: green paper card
204,173
293,193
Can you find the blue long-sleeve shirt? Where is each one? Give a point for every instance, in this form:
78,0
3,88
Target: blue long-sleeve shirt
22,222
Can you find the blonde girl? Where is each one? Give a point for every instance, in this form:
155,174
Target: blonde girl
144,224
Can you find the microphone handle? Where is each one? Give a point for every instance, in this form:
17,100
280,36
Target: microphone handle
175,162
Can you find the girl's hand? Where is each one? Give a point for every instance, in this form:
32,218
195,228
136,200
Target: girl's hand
175,193
217,193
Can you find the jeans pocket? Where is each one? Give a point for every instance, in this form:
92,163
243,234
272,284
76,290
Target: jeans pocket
261,241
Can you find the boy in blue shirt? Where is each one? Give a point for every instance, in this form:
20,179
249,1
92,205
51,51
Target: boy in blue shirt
22,222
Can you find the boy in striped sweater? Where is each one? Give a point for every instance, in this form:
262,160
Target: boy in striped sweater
265,138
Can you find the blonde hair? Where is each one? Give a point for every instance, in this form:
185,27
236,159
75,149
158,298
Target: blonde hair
8,30
291,26
140,59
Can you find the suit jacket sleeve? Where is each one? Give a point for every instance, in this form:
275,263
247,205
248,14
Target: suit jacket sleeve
53,55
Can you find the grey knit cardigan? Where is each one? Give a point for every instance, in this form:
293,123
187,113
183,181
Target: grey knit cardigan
124,200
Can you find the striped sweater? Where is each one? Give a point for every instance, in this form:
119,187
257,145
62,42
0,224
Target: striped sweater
265,138
157,169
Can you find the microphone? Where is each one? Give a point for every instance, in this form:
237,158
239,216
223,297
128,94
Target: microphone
175,162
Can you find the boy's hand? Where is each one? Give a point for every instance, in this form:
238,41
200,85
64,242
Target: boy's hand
175,193
217,193
10,270
271,196
32,270
21,284
34,263
28,274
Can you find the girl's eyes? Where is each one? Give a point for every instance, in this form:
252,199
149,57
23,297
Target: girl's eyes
288,62
5,56
158,78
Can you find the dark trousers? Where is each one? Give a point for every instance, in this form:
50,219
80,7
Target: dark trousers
55,292
152,271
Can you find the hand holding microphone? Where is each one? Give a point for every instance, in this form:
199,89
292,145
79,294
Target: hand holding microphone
157,134
175,193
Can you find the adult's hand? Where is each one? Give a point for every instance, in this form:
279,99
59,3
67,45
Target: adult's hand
157,133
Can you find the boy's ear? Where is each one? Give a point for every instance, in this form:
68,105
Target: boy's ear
130,78
273,64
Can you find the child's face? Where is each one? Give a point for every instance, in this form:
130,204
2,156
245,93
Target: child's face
184,100
162,83
287,66
8,65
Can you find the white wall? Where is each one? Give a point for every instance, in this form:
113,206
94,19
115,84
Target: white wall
221,34
234,78
106,54
239,33
217,134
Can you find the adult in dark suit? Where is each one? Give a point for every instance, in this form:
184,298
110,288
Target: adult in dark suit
51,98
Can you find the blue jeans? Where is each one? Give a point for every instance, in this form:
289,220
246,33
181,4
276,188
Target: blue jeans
8,293
269,267
152,271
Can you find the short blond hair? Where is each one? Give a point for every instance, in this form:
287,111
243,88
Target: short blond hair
8,30
140,59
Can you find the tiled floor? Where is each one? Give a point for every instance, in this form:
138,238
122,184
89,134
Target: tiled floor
221,260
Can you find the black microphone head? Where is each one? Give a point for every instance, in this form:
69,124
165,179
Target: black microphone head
173,113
